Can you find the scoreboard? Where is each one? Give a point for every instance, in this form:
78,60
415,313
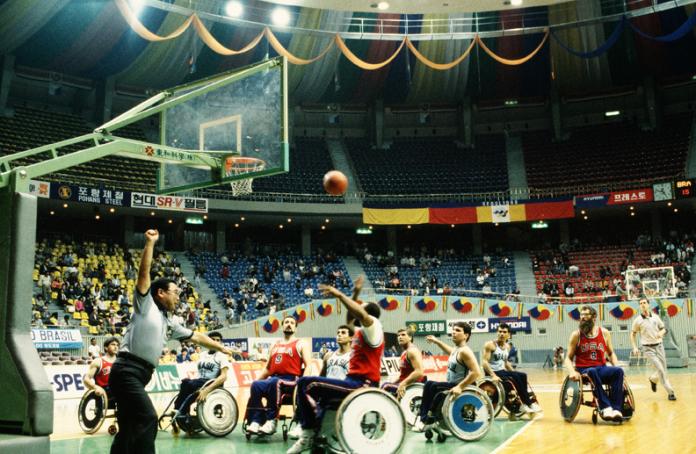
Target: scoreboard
684,189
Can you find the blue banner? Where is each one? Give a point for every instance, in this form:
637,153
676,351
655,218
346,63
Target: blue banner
88,194
591,201
328,342
54,339
516,324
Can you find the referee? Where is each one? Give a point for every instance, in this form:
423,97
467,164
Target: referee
148,331
652,330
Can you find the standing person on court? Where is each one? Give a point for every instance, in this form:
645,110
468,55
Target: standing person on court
496,364
462,371
590,348
150,327
652,331
410,365
363,369
284,366
97,376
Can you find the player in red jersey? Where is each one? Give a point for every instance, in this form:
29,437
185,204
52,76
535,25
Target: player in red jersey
283,367
591,348
411,365
363,369
97,377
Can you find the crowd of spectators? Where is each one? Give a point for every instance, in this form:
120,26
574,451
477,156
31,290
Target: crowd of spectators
563,278
92,285
420,271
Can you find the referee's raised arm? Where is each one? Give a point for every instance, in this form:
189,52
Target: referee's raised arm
143,284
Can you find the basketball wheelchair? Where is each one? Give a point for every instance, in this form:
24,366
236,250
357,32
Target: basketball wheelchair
505,396
573,397
217,415
286,399
93,410
366,420
468,416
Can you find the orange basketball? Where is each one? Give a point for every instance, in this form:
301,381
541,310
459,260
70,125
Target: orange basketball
335,182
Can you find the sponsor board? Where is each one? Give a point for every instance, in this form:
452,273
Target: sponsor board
425,328
478,325
40,189
54,339
516,324
631,196
391,367
591,200
89,194
169,202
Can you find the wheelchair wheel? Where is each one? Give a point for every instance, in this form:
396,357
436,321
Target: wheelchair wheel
429,434
113,429
468,416
570,399
218,414
411,402
441,438
370,420
92,411
629,403
496,393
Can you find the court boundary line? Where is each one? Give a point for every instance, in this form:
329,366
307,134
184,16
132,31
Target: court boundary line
512,438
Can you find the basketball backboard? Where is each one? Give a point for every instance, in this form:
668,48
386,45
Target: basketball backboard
243,113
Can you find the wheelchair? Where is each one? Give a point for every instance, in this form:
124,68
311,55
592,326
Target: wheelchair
93,410
573,397
504,396
217,415
287,399
366,420
410,403
468,416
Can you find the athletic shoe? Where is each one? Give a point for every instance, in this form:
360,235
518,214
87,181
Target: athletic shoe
269,428
535,408
296,432
618,416
653,386
253,428
418,426
672,397
304,443
525,409
608,414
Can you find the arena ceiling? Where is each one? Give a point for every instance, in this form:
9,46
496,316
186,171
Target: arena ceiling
91,40
418,6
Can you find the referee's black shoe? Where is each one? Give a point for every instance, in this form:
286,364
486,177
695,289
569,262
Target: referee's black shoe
653,386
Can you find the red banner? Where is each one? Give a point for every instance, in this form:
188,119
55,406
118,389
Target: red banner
549,210
463,215
631,196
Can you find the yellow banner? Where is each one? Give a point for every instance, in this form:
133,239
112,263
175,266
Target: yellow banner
402,216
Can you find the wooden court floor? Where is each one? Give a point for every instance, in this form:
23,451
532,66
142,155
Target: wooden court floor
657,427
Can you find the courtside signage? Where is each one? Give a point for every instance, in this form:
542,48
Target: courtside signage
56,338
478,325
631,196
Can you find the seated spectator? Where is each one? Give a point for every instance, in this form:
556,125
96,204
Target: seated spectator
183,357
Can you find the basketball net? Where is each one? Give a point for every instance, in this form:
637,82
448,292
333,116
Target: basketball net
240,165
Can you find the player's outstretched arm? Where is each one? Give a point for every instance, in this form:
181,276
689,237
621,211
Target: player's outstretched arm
444,347
353,307
143,284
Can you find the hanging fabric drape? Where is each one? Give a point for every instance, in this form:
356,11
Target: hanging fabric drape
361,63
679,33
608,44
278,47
143,32
518,61
217,47
439,66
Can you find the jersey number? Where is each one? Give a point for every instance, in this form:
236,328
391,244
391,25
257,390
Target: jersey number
593,355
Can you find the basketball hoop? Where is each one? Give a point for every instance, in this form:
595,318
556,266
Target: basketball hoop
240,165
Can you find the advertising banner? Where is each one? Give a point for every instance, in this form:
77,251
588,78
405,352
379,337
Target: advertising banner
52,339
169,202
478,325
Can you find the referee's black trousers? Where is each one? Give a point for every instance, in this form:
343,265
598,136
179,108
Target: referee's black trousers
136,416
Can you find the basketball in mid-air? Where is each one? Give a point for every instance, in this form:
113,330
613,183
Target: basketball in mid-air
335,182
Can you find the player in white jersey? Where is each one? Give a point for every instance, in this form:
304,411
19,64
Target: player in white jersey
336,363
212,365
